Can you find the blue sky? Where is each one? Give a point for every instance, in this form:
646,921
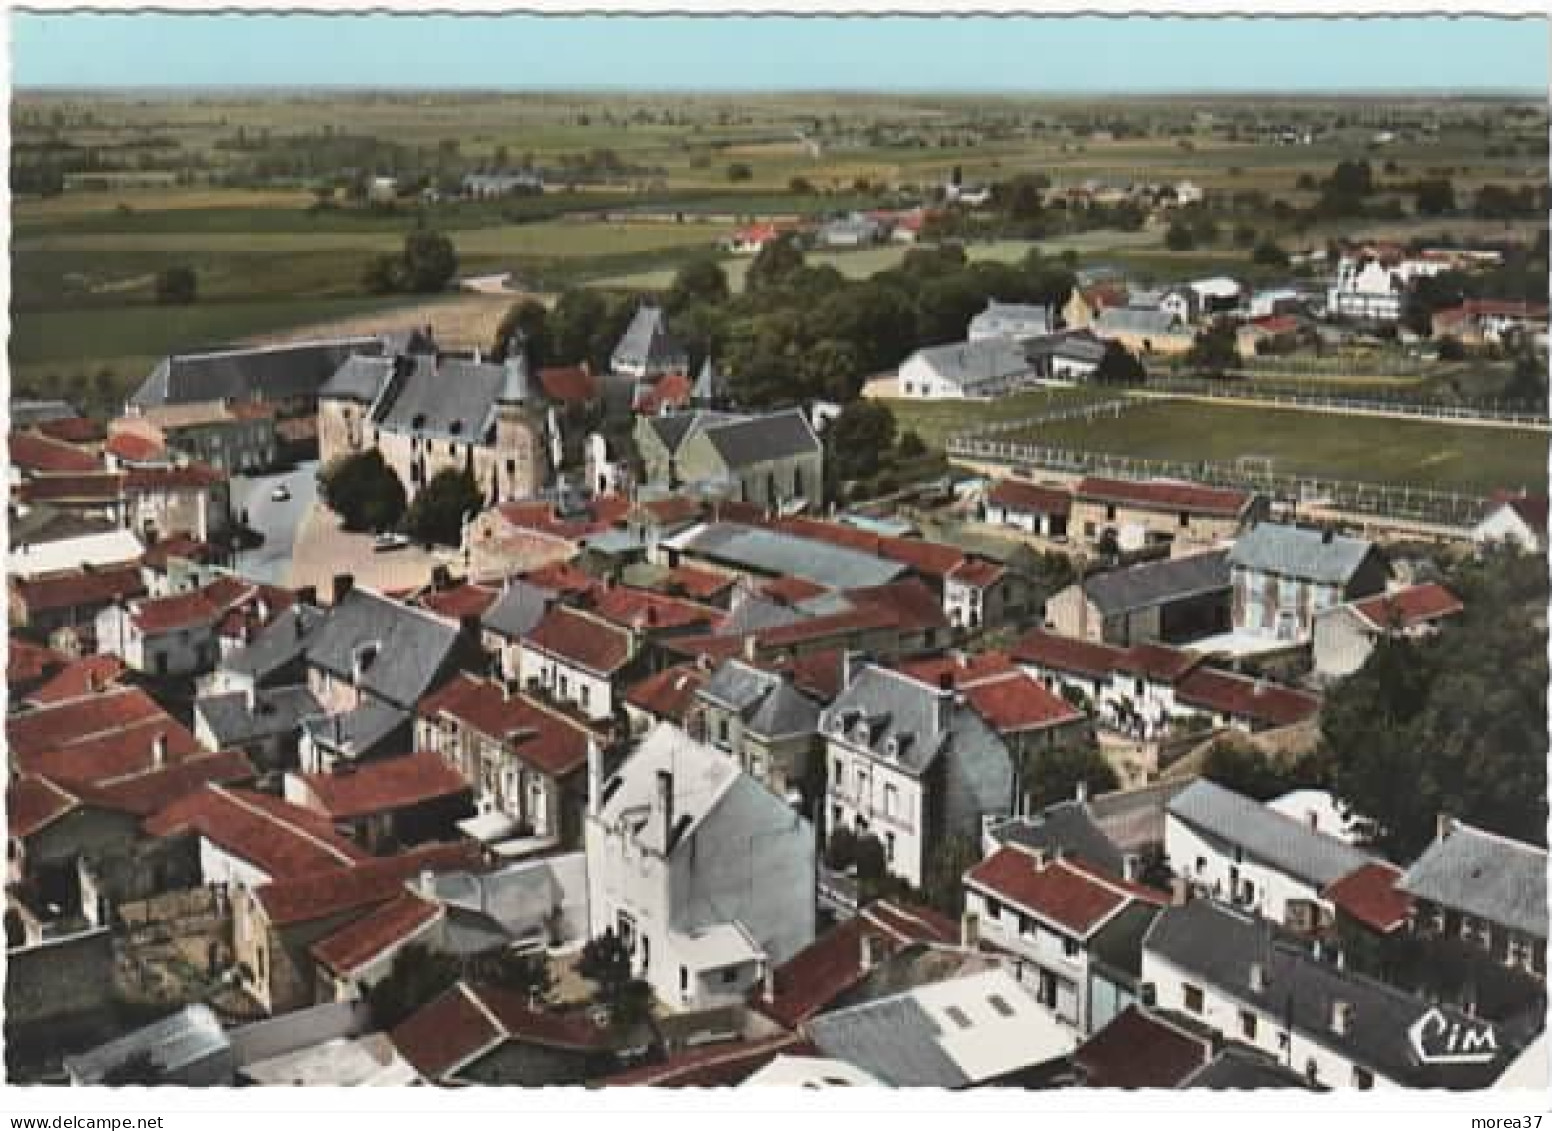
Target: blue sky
1050,54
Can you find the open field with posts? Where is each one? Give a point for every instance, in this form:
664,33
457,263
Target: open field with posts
1425,454
270,200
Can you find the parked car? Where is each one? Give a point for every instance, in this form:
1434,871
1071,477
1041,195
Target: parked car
280,493
385,542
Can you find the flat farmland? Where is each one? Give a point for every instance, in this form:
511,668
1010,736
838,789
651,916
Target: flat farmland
1437,456
937,421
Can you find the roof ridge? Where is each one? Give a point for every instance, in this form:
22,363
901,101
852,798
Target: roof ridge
249,807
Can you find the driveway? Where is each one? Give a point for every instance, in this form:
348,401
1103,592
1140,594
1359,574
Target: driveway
277,520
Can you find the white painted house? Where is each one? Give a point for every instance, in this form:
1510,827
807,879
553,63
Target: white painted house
1517,519
572,657
973,370
1253,857
1014,320
706,875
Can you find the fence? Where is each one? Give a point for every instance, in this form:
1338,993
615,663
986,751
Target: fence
1377,402
1398,501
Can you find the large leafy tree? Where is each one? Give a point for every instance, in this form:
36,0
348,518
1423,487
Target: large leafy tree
443,506
1214,350
363,490
1054,775
429,261
1119,366
698,281
1456,724
528,321
857,438
778,260
573,323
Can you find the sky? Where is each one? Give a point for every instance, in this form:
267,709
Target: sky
1051,54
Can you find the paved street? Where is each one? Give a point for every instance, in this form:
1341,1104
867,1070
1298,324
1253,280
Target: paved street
277,521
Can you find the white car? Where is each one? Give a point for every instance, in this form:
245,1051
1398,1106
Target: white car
389,541
280,494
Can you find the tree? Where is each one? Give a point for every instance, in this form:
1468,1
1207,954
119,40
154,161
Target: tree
176,286
943,884
1119,366
800,186
911,445
1435,196
856,438
1214,349
698,281
606,962
738,171
1179,237
137,1070
528,321
1054,775
775,263
870,858
841,850
382,275
1238,765
430,262
572,324
418,975
1268,253
1528,383
1451,348
443,506
363,490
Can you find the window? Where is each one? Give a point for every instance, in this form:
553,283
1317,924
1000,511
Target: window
1185,520
993,907
1000,1004
1363,1079
891,801
1110,512
1247,1024
684,979
957,1016
1070,948
889,848
730,976
1191,996
1282,1042
582,693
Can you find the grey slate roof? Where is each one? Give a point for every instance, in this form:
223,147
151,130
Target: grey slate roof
278,711
283,641
1157,583
894,1039
360,731
1011,319
413,645
520,606
446,397
1294,551
360,378
776,554
1236,1069
675,427
1287,844
903,722
753,613
1216,946
26,412
769,705
1485,875
191,1040
268,373
1068,827
760,439
646,341
969,364
1136,320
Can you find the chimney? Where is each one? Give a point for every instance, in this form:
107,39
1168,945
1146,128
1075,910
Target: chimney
768,983
1179,891
343,583
665,806
159,750
751,647
1327,536
1341,1017
1131,867
1444,825
307,595
426,884
1258,981
1081,794
251,697
970,930
945,681
1042,857
872,952
595,775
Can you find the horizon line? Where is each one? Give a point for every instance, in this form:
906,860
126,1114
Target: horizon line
1302,94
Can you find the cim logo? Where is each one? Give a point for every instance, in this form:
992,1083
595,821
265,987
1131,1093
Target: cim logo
1437,1039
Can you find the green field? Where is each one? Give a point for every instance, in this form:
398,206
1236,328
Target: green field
1371,449
937,421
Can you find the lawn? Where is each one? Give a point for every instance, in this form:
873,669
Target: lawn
936,421
1418,453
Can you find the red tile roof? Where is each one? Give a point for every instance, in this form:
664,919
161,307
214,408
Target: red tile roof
672,509
1066,653
1140,1050
669,693
672,390
26,662
34,453
977,573
1157,661
112,754
1243,697
1163,496
819,673
460,600
150,791
1405,608
71,429
562,577
33,803
594,645
1276,324
545,739
832,964
80,589
1071,895
85,676
961,669
180,546
358,943
1532,509
1016,703
696,583
191,476
468,1020
50,728
280,839
642,609
318,895
569,384
179,611
710,648
383,786
1030,498
711,1066
96,487
790,590
134,448
1369,894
